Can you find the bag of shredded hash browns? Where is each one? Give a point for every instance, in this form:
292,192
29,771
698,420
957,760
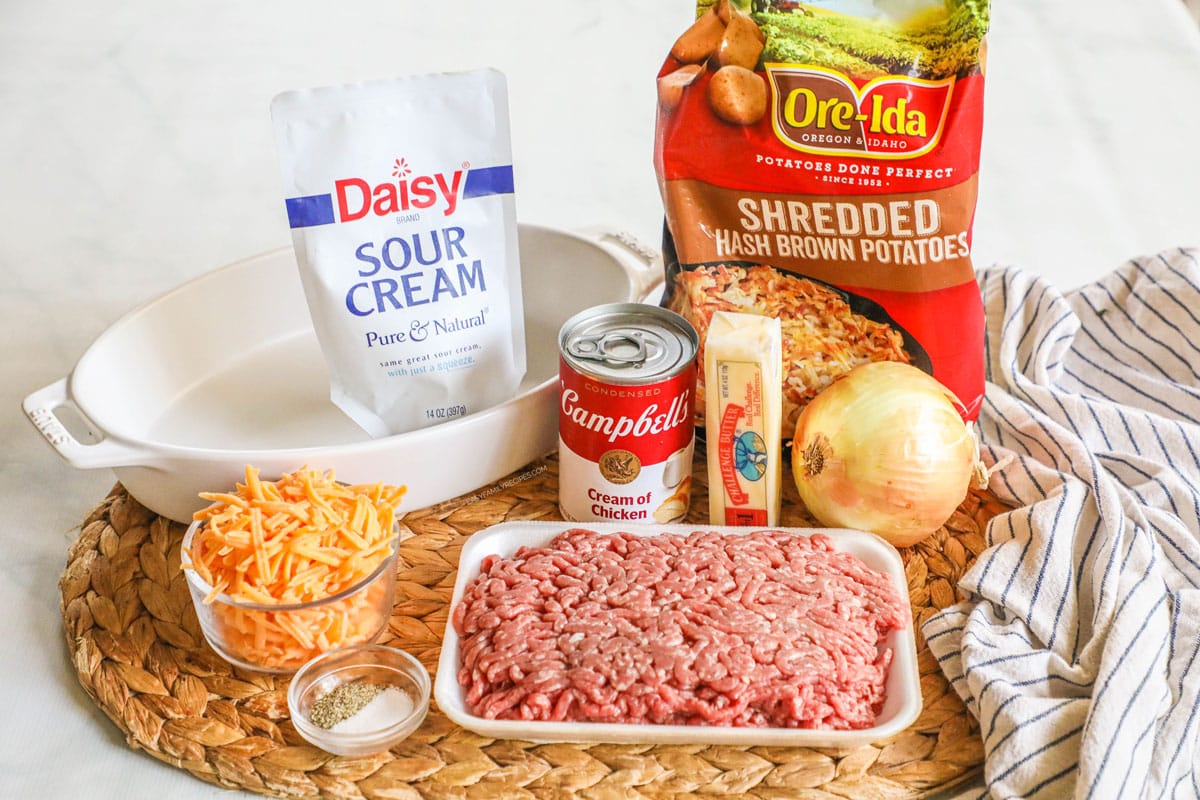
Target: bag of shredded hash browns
818,163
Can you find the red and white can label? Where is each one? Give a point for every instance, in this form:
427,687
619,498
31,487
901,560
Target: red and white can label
625,451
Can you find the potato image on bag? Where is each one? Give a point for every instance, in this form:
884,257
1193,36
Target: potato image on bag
701,40
671,86
742,43
737,95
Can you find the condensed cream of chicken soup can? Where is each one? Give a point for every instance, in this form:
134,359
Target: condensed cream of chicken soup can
626,421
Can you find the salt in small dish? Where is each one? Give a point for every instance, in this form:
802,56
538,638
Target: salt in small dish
384,720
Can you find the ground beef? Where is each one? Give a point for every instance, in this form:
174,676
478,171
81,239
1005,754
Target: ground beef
764,629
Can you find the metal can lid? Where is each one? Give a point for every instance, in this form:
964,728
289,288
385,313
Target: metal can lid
628,343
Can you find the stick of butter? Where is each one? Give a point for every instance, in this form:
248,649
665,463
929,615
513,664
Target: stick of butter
743,409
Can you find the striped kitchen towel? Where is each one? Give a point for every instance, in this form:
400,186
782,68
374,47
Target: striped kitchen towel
1079,648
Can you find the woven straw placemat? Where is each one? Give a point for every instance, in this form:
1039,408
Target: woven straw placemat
138,651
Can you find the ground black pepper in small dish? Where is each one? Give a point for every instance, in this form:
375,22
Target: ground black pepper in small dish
342,703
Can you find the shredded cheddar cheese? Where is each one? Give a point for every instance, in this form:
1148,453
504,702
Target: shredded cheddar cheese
300,539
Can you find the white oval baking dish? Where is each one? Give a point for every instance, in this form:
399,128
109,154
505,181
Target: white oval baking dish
224,371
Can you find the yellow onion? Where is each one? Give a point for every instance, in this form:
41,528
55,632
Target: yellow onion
884,449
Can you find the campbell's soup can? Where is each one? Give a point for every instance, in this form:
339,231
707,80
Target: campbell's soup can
626,416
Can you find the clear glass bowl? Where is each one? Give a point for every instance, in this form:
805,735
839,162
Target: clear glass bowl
369,663
280,638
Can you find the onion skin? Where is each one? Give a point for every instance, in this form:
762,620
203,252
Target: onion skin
884,449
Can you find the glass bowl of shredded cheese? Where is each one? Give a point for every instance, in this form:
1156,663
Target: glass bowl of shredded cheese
360,699
282,571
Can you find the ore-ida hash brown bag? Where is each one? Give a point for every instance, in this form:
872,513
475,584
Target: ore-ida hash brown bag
818,163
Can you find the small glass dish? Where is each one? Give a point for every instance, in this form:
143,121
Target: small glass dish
370,731
280,638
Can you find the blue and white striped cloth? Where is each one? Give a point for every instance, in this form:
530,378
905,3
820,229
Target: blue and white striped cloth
1079,650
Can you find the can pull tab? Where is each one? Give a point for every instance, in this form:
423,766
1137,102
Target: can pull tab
617,348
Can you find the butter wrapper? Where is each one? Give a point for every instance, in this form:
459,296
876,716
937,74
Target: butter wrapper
743,359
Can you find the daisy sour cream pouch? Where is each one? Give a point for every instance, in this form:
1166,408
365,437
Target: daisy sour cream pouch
399,196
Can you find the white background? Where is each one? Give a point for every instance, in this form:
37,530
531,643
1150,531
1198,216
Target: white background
138,153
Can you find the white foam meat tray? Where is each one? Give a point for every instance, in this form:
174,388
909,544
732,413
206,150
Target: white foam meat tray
901,706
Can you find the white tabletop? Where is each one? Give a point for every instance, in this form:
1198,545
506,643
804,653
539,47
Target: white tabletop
138,153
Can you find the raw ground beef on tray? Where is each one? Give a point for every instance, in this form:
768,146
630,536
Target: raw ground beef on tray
766,629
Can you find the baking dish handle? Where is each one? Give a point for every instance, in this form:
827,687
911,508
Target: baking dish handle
645,269
40,407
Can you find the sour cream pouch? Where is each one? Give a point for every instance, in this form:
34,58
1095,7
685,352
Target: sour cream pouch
399,196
